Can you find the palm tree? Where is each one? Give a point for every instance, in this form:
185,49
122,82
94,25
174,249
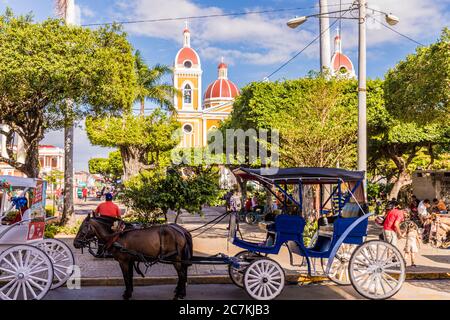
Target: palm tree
150,85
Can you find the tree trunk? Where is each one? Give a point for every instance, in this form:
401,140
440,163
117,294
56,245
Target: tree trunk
68,174
142,101
403,179
176,217
131,161
31,165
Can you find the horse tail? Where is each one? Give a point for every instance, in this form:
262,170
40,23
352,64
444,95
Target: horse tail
189,247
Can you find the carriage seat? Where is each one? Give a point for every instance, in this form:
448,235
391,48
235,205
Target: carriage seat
289,224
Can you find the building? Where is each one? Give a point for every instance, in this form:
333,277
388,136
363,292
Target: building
199,113
51,158
430,184
341,65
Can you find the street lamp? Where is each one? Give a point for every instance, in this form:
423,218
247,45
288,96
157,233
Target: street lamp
362,122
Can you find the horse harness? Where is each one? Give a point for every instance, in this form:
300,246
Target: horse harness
147,260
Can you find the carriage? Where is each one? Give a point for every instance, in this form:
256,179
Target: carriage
30,265
376,269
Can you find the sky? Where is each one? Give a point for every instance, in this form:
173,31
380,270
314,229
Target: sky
253,45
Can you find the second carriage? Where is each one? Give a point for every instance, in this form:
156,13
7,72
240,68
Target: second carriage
30,265
376,269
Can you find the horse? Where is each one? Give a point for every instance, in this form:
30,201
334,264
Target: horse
166,243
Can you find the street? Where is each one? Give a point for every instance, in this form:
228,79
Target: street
417,289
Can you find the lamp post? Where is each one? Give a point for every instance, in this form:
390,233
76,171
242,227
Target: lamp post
362,105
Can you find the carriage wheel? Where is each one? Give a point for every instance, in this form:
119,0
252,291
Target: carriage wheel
250,218
264,279
62,260
377,270
339,269
26,273
237,274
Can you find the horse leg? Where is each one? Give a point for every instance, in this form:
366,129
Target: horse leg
130,276
125,267
184,268
179,288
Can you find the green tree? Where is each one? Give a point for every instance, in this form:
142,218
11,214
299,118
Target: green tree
418,88
150,85
52,63
110,168
412,127
142,140
160,190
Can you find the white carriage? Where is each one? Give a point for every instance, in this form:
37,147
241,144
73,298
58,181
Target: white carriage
30,265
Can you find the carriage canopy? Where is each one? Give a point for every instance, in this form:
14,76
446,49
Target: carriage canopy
307,175
19,181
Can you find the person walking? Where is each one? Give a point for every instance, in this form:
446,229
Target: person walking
84,193
391,224
412,242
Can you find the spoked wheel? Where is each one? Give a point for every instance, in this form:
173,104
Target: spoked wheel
377,270
339,269
264,279
237,274
62,260
26,273
250,218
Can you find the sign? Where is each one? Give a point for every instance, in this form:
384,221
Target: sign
36,230
38,198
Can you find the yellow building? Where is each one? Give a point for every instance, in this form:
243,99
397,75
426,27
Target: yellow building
198,114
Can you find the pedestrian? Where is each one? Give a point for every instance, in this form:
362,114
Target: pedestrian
412,242
438,206
84,193
108,208
391,224
422,210
235,202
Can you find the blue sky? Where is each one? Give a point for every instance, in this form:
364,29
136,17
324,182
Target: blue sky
253,45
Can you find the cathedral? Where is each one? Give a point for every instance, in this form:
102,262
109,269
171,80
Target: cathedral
196,112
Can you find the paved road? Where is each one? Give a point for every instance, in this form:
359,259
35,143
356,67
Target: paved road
424,290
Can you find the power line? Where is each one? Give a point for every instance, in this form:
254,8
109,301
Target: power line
306,47
205,16
399,33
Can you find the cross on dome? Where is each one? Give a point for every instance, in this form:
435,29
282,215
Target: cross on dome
187,35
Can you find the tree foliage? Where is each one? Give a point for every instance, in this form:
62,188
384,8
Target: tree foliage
174,189
45,64
110,168
418,88
142,140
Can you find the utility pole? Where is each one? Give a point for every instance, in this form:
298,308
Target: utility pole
324,24
68,7
362,121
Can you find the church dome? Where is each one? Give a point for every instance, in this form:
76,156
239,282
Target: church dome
341,65
222,88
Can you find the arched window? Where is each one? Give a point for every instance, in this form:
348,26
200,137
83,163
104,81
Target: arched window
187,94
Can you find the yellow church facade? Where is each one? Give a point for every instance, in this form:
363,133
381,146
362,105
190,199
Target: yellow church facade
196,112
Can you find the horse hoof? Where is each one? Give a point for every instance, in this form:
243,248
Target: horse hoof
126,296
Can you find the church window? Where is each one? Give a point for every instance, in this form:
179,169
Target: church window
343,70
187,64
187,128
187,94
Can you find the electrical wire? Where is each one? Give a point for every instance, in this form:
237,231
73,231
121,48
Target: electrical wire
205,16
306,47
398,32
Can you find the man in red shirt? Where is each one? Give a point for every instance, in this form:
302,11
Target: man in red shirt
108,208
391,225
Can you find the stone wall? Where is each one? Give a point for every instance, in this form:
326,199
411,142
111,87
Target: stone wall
431,184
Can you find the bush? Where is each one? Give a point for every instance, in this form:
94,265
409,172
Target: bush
50,211
51,230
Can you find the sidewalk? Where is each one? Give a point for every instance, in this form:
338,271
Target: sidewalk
432,263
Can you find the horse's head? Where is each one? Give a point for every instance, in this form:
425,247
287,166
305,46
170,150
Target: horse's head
85,234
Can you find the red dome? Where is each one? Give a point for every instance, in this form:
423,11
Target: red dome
221,89
341,60
187,53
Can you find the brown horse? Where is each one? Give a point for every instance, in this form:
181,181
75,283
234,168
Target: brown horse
167,243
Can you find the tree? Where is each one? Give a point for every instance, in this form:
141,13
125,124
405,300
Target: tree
316,118
110,168
150,86
52,63
414,120
177,189
142,140
417,88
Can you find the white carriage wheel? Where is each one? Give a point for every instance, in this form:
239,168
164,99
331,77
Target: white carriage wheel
264,279
237,274
339,268
62,259
26,273
377,270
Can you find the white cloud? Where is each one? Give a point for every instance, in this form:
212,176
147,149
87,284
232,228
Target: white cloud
265,39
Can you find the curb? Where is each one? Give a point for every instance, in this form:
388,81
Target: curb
225,279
